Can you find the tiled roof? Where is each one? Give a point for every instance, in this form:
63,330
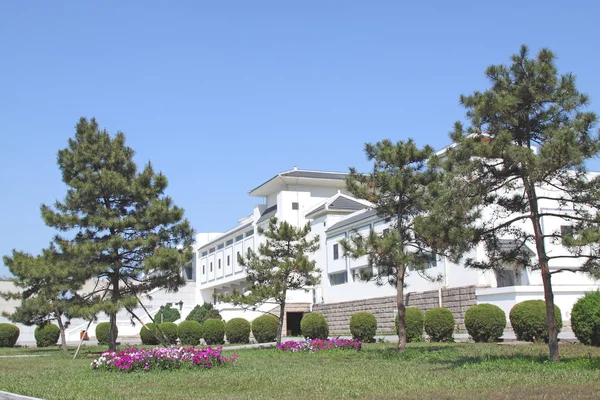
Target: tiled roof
506,246
344,203
315,174
268,214
353,219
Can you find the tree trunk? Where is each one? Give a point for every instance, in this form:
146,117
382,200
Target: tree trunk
112,333
281,317
546,275
401,311
63,339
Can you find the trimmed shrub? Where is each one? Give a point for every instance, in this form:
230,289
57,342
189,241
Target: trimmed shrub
314,326
203,312
363,326
585,319
169,329
485,322
189,332
414,319
237,330
528,320
264,328
102,332
46,335
439,324
213,331
148,337
167,314
9,334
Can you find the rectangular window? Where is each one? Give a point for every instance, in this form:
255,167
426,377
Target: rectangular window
386,231
362,274
239,237
228,261
204,253
203,269
338,278
219,247
336,251
295,206
250,233
210,267
189,272
566,230
211,250
219,264
229,242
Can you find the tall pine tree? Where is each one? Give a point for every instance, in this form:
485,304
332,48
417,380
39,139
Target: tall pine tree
127,234
522,162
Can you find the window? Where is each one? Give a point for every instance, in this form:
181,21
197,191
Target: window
203,269
432,262
295,206
189,273
219,264
238,254
229,242
204,253
239,237
505,277
359,273
228,261
220,246
249,251
338,278
210,267
211,250
336,251
249,233
386,231
566,230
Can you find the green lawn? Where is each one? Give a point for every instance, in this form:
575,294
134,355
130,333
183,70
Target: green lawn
426,371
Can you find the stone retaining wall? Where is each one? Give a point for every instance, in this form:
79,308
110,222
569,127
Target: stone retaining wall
458,300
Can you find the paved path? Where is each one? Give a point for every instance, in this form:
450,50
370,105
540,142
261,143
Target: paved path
12,396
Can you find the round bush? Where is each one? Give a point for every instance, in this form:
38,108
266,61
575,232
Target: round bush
485,322
585,319
102,332
167,314
528,320
264,328
439,324
363,326
189,333
147,336
314,326
413,320
46,335
201,313
237,330
213,331
169,329
9,334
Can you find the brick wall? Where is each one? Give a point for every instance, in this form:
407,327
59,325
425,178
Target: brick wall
458,300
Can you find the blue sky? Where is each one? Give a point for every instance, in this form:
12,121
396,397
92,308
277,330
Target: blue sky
221,96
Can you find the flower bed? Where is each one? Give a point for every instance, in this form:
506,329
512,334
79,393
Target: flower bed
313,345
132,359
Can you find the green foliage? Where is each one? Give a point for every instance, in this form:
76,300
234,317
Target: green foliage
414,324
201,313
102,333
149,335
9,334
281,264
313,325
264,328
126,231
363,326
439,324
237,330
528,320
167,314
213,331
189,332
585,319
485,322
46,335
169,329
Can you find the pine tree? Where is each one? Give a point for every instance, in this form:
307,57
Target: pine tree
128,235
398,187
47,283
522,161
281,264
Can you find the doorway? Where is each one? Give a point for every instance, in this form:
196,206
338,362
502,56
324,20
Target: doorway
293,323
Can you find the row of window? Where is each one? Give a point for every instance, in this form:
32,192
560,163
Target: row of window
210,265
339,278
227,243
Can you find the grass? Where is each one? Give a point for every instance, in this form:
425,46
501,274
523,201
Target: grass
425,371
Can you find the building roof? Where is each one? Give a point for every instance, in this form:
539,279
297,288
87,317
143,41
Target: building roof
298,176
507,246
359,216
267,214
338,203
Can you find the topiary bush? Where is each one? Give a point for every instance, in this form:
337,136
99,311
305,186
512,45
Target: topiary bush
147,336
46,335
439,324
485,322
363,326
167,314
9,334
189,332
585,319
313,325
213,331
413,319
237,330
201,313
264,328
102,332
528,320
169,329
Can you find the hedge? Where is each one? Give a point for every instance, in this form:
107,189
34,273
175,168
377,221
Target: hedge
264,328
528,320
439,324
237,330
213,331
313,325
585,319
414,319
363,326
169,329
9,334
485,322
168,314
201,313
189,332
148,337
102,332
46,335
